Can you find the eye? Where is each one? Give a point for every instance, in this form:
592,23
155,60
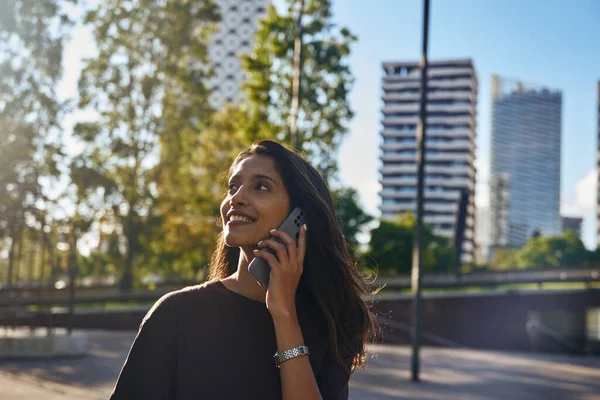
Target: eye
231,188
262,187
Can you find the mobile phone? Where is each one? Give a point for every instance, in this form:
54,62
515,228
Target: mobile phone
259,267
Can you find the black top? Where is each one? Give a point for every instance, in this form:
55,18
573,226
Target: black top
207,342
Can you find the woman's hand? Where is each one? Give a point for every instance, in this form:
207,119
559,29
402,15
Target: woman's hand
286,269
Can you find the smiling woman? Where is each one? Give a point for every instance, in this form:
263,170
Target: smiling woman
229,338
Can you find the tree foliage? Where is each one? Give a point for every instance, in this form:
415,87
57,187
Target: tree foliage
566,250
32,34
183,234
194,156
352,217
390,248
326,81
150,68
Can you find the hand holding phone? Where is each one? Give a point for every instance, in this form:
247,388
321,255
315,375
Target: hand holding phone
259,267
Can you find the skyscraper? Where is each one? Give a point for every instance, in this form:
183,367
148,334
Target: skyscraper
525,162
239,22
450,144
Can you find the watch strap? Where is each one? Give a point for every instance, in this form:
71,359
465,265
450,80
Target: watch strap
280,357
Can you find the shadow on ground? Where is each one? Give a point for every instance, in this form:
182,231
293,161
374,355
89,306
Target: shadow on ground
447,374
452,374
98,370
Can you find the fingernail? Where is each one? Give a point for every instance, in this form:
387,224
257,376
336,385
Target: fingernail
305,227
258,244
272,230
255,250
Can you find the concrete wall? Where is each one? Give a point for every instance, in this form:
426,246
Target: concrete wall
487,321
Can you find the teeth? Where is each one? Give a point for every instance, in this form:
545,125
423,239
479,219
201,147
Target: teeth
240,218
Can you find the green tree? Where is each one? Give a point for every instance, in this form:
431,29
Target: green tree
352,217
391,245
32,34
326,81
566,250
182,236
504,259
594,257
151,55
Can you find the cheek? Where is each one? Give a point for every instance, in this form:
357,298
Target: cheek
224,208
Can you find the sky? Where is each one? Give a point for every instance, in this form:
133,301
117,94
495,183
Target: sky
550,43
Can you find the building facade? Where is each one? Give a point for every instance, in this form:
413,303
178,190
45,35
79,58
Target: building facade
572,224
482,235
450,144
235,36
525,162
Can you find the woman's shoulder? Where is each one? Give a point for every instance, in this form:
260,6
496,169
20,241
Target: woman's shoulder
200,290
189,296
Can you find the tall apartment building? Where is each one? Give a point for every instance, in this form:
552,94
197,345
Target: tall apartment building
239,22
450,144
525,162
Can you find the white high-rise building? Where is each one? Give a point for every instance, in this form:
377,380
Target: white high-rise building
450,144
239,23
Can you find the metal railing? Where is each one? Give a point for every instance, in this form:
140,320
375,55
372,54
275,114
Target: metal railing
49,296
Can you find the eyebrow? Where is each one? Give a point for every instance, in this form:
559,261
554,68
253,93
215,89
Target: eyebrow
256,176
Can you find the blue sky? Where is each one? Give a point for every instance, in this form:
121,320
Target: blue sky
551,43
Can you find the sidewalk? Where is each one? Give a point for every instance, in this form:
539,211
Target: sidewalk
447,374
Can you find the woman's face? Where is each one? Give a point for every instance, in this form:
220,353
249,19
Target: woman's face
256,202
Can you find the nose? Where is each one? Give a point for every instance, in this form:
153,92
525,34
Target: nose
239,197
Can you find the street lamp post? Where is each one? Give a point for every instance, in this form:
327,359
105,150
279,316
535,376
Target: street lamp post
417,259
295,107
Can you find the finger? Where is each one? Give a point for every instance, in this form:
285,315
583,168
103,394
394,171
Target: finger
302,245
270,258
290,243
277,247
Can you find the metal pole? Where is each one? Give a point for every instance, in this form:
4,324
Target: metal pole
417,259
295,108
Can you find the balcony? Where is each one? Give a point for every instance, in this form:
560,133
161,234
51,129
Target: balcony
415,107
440,219
466,145
411,120
429,169
450,157
399,146
390,132
412,207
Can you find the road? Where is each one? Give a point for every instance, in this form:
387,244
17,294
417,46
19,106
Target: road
447,374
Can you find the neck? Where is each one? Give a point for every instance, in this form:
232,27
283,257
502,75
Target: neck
242,281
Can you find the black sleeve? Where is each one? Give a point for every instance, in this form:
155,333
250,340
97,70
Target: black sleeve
150,369
333,378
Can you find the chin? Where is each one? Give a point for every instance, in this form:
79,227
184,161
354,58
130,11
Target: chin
233,241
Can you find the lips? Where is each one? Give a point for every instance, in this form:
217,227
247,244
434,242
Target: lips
237,217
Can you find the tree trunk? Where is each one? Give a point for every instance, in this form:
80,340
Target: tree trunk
126,283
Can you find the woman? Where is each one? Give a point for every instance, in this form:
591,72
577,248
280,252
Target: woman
217,340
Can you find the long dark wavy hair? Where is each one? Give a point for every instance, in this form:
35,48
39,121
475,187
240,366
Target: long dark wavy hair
330,279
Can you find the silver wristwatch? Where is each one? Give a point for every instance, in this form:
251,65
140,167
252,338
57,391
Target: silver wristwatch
288,354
